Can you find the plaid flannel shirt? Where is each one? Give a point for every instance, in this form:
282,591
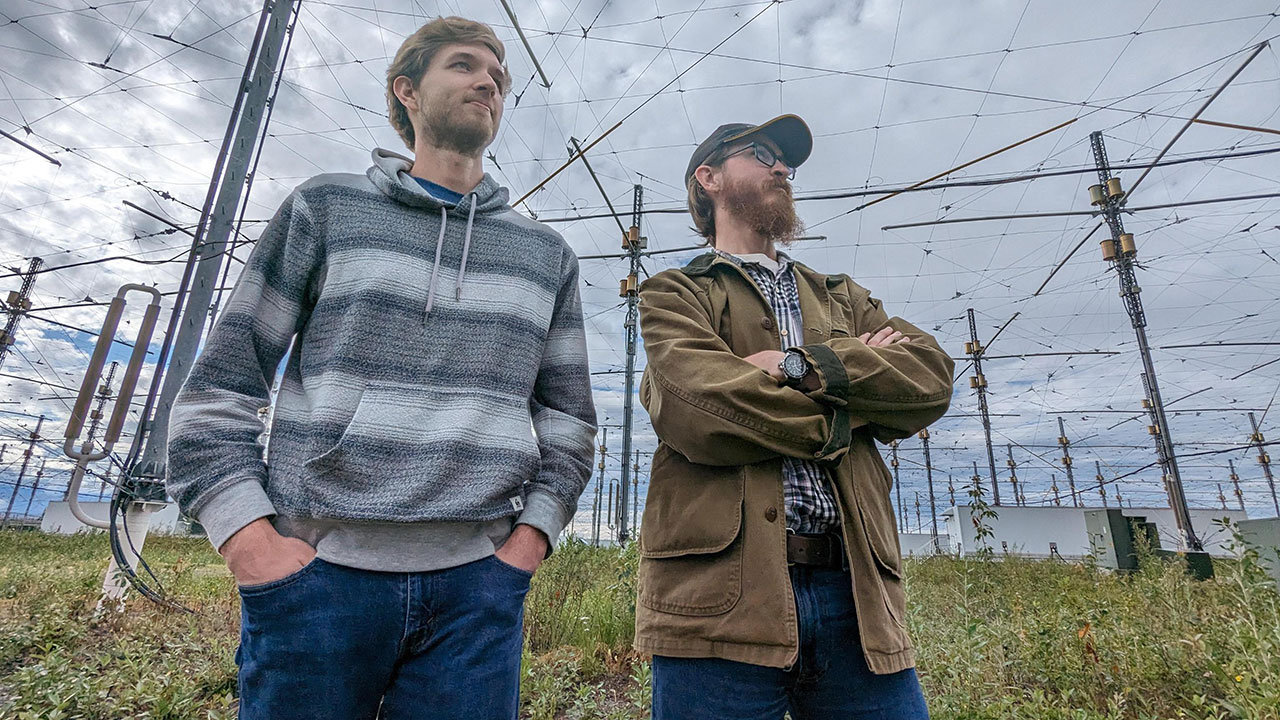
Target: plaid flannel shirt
811,506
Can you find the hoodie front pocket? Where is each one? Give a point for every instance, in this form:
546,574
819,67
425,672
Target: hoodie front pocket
410,434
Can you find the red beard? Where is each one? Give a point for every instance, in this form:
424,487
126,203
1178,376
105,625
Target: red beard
766,208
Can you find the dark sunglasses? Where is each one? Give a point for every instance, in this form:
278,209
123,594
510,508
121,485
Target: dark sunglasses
766,157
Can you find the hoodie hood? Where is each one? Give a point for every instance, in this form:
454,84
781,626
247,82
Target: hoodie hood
390,174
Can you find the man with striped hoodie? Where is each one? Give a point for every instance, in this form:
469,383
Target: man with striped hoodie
434,423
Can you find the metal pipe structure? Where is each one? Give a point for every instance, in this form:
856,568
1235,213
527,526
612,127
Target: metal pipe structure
26,460
1264,459
1235,483
979,382
632,242
19,303
525,41
1013,475
87,452
928,472
1066,461
1102,482
186,331
1120,251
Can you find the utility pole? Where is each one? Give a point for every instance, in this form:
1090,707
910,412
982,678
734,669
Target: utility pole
597,510
1222,498
26,459
1102,483
245,129
613,510
1053,485
1120,250
632,242
951,490
106,480
1264,459
928,473
1013,475
979,382
1066,461
897,485
35,487
95,417
919,525
1235,483
17,305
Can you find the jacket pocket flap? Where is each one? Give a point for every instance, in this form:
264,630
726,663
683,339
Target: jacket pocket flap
692,509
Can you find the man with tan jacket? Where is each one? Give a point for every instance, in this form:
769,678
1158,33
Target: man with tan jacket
770,573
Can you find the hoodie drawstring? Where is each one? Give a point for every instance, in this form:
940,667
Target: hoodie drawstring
466,249
435,269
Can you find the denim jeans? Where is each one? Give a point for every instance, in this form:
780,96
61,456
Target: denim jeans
829,680
335,642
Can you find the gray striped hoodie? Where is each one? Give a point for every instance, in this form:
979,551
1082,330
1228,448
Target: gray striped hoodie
437,366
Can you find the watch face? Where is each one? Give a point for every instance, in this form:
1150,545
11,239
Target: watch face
795,366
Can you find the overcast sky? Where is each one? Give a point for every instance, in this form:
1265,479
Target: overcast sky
133,98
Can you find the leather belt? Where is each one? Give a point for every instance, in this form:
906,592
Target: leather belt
823,550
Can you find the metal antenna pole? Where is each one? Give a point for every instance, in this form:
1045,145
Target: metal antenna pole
1066,461
35,487
919,525
1264,459
897,485
598,510
26,459
928,473
1235,483
978,382
1013,475
1102,483
633,242
613,510
244,131
1121,251
95,417
18,304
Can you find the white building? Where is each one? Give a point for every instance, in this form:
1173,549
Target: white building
59,520
1037,531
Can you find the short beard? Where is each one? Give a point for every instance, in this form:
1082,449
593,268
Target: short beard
448,132
758,207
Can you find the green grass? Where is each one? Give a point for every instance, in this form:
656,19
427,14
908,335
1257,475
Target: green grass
1012,639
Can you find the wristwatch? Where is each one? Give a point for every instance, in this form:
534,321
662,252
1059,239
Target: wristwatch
794,366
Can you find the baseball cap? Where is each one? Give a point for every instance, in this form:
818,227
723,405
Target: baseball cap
788,132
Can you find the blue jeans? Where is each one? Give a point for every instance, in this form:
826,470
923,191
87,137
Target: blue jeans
829,680
335,642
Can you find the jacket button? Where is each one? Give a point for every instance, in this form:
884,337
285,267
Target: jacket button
766,323
771,514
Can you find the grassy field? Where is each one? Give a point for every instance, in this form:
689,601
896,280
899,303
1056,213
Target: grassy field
1011,639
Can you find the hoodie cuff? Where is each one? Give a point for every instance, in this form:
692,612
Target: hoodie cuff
224,514
545,512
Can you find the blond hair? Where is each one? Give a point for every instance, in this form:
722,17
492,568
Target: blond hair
415,54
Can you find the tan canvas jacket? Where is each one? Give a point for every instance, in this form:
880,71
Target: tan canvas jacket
713,570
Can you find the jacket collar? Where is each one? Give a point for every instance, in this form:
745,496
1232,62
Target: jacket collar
815,304
703,264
